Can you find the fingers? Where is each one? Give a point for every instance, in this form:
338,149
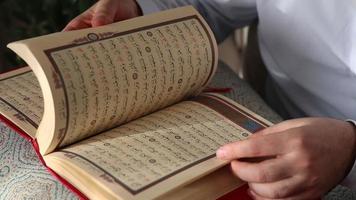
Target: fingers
270,170
279,189
99,14
76,23
104,13
296,167
81,21
268,145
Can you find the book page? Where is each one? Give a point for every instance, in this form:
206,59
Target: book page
103,77
157,153
21,99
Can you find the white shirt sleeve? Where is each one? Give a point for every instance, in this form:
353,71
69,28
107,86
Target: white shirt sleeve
148,7
350,180
223,16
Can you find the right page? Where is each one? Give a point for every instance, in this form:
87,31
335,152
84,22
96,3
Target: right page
96,79
150,156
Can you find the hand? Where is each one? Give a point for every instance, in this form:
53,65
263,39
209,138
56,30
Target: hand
105,12
304,158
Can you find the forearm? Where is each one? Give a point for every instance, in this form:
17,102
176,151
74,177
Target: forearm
222,16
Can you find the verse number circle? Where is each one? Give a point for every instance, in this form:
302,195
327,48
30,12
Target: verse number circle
93,36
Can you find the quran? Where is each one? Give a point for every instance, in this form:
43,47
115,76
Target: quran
118,112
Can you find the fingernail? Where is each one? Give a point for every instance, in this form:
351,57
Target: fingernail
221,153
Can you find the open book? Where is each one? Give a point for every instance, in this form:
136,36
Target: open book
116,112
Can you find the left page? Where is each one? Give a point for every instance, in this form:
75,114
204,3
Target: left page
21,99
96,79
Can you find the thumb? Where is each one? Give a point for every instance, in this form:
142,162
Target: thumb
104,13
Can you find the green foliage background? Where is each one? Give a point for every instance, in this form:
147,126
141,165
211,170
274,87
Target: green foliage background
20,19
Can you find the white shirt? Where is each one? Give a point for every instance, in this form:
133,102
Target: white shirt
308,46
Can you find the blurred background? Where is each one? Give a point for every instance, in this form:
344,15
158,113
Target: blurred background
21,19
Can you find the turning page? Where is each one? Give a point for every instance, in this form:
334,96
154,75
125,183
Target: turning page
96,79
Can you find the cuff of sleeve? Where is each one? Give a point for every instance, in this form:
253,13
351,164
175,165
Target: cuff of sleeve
148,6
350,179
352,121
